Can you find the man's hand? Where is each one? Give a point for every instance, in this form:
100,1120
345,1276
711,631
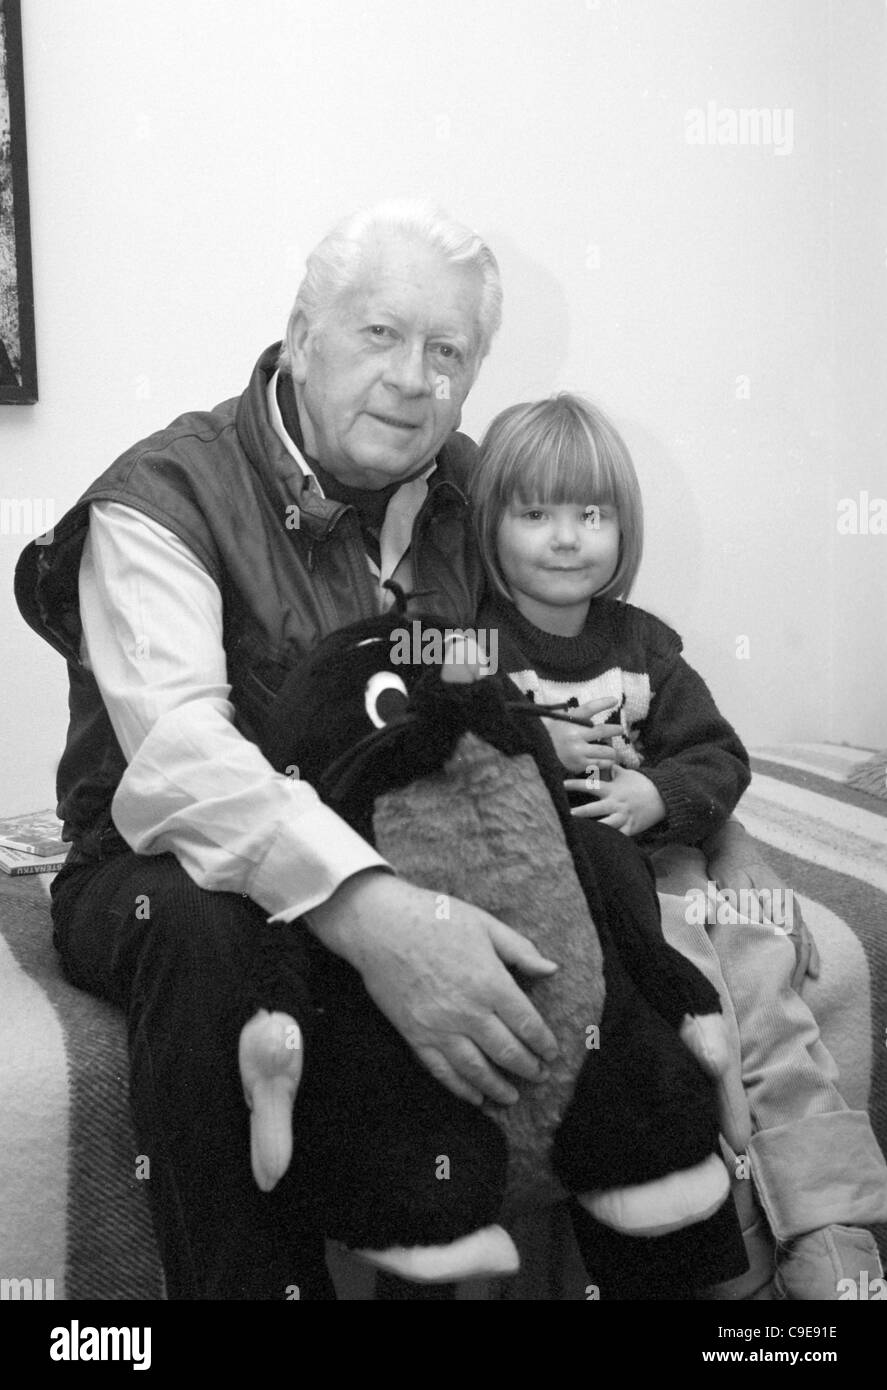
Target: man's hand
629,803
578,747
734,864
444,985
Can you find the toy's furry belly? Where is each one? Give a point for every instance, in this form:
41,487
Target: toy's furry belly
485,830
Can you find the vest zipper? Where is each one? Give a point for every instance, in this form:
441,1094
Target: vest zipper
357,564
421,522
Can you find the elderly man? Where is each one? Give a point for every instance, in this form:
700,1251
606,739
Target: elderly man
180,588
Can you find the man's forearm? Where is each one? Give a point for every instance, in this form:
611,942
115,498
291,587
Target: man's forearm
336,922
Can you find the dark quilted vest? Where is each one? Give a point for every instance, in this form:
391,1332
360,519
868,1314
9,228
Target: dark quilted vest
291,568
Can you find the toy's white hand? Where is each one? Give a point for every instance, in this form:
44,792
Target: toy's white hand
444,985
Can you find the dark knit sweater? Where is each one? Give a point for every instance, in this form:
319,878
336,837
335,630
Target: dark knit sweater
674,733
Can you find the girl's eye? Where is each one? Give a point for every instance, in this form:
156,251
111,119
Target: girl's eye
384,698
533,514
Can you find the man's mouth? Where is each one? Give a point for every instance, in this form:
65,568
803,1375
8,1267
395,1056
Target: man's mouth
394,421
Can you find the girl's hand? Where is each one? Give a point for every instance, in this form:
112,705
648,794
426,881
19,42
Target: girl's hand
630,802
578,748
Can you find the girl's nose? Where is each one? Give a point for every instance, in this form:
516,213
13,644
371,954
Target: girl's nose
566,536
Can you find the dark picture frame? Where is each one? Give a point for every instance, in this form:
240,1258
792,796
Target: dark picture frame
18,355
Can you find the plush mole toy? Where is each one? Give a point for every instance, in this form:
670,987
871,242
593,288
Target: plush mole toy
449,772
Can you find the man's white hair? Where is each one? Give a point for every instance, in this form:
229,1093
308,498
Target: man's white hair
335,264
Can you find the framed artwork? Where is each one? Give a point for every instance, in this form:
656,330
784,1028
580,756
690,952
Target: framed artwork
18,358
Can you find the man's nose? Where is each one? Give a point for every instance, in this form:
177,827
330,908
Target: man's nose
407,370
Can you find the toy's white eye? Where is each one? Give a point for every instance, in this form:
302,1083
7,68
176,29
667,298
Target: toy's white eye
385,697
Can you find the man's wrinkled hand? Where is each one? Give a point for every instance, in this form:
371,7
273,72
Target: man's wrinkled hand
445,986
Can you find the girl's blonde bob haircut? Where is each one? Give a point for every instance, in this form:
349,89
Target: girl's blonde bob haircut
562,449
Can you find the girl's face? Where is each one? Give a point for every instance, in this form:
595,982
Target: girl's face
554,557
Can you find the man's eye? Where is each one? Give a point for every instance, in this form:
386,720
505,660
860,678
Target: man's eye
447,350
379,330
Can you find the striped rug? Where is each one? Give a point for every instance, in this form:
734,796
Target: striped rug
828,841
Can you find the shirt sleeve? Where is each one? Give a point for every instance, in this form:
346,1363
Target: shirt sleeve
194,786
692,755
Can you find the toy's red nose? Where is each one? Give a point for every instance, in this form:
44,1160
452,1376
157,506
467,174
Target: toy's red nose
463,662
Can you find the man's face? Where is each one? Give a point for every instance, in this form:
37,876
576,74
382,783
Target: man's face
380,385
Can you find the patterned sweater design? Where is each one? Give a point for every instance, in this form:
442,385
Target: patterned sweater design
672,730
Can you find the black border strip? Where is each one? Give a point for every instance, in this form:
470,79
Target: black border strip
26,393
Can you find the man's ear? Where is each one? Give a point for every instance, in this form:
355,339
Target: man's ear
298,343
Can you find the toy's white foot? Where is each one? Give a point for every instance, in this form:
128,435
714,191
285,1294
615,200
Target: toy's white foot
707,1038
270,1057
482,1255
667,1204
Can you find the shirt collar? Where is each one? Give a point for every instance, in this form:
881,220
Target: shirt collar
286,440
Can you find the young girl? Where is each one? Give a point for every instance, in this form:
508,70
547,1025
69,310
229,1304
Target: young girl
559,519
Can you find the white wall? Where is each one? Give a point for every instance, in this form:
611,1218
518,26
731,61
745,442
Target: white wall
186,153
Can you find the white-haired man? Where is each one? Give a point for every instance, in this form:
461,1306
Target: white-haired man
181,586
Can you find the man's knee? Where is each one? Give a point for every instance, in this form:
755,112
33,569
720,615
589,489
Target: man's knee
141,918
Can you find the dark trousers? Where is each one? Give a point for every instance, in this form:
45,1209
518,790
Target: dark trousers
137,931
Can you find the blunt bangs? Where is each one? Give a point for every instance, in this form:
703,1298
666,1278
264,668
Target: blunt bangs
561,461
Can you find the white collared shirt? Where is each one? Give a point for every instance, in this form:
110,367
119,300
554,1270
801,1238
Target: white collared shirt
194,786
